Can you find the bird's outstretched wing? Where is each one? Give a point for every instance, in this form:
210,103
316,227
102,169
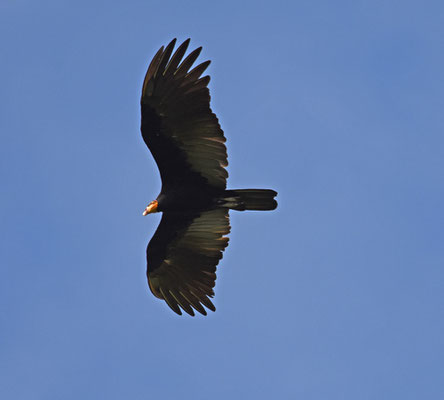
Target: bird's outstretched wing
178,126
182,258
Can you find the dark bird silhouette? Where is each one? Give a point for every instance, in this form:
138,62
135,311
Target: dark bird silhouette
187,143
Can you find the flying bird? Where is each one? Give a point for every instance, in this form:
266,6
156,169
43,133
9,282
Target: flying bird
187,143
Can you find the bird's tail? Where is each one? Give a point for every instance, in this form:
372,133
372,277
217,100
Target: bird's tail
250,199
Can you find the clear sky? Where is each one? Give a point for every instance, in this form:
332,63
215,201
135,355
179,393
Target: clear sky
338,294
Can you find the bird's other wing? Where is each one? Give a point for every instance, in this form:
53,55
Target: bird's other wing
178,126
182,258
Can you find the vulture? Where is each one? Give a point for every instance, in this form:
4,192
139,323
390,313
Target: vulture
188,146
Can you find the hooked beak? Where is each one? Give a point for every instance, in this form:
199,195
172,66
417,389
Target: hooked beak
151,208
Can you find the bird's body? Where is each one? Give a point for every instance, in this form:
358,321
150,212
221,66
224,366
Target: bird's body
187,143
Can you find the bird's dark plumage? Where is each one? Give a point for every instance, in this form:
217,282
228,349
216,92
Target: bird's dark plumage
187,143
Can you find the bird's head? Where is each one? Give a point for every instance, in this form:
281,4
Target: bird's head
151,208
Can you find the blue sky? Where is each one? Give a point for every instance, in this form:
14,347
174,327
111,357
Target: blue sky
338,294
